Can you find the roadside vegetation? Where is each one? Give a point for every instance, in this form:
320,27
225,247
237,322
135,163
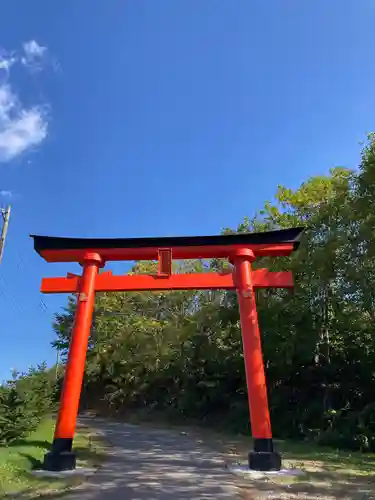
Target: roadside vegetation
27,402
19,459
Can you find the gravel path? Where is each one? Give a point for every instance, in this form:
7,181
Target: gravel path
150,464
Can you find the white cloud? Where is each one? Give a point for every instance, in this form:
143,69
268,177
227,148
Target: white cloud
7,62
20,128
5,193
33,49
34,55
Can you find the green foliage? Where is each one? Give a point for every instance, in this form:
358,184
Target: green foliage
24,401
13,424
181,352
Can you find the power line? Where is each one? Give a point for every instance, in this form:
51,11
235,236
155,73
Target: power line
24,268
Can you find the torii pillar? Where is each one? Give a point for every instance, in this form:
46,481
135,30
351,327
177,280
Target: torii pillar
61,456
263,457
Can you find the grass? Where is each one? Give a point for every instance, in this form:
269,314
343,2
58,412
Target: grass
18,460
327,473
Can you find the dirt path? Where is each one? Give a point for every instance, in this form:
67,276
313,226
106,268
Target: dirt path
154,464
147,462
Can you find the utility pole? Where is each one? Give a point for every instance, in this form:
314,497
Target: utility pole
5,213
57,363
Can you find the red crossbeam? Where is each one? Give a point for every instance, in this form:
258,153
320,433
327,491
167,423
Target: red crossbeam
107,282
190,252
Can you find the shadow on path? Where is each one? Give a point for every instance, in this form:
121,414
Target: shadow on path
150,464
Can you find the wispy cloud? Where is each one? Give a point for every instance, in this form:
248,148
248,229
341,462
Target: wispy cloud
34,55
5,193
7,62
21,128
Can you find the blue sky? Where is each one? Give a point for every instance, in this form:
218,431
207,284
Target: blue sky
164,117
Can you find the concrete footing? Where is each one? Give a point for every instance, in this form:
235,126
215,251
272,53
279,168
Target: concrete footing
244,471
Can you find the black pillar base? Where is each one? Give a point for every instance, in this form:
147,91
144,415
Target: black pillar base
61,457
58,462
264,458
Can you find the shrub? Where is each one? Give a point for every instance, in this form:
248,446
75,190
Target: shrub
24,401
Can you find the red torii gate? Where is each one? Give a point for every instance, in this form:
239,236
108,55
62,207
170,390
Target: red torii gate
240,249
